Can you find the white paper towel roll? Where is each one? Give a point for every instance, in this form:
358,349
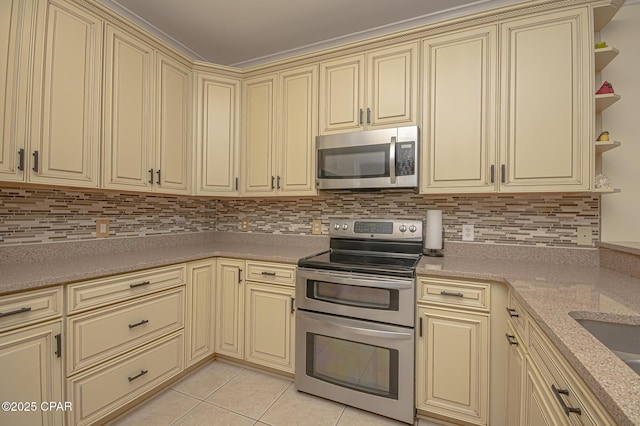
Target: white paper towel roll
434,230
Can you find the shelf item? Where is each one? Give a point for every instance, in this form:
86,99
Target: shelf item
603,56
604,146
605,101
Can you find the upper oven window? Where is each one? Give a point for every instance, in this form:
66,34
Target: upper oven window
352,295
366,161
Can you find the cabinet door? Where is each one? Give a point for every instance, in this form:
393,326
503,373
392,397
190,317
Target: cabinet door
230,308
218,135
298,128
128,158
547,96
199,326
66,113
453,364
514,377
392,86
269,336
537,406
31,372
174,126
342,95
17,19
259,104
459,112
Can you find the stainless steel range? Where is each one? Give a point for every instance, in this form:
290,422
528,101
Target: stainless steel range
356,313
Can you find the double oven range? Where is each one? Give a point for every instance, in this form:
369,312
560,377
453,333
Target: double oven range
355,318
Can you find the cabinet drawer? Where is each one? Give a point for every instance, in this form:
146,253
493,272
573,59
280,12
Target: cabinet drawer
105,333
105,291
517,314
469,294
558,373
18,310
102,390
276,273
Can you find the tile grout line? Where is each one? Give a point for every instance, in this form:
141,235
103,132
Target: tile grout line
274,402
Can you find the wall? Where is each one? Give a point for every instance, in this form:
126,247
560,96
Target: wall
619,211
29,215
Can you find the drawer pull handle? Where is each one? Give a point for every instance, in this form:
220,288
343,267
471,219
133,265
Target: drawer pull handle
140,374
271,274
58,351
151,176
293,302
139,284
138,323
450,293
511,339
239,276
565,407
17,311
513,313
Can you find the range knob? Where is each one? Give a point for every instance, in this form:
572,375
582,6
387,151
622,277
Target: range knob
413,228
336,226
345,226
403,228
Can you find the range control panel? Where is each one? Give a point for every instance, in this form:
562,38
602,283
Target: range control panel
376,228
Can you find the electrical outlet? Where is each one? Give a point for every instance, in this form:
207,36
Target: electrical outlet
316,227
585,237
244,224
102,228
467,233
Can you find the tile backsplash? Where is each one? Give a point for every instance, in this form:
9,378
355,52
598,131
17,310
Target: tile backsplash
37,215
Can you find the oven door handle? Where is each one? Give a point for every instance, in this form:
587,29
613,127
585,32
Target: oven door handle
337,324
341,279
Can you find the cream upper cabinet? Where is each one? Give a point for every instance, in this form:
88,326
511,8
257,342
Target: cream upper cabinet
229,323
17,32
147,117
373,90
459,102
31,372
65,127
297,131
128,156
218,135
546,102
280,122
174,126
199,325
259,107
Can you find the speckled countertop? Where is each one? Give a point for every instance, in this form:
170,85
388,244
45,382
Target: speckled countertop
556,294
552,293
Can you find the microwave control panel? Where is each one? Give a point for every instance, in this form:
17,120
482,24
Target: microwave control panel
405,159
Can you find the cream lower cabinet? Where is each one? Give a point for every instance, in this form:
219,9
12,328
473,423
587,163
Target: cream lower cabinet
539,378
280,122
453,350
217,135
125,337
255,312
368,91
200,323
31,371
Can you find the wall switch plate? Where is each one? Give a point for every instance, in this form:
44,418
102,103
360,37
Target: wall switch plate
467,233
585,237
102,228
316,227
244,224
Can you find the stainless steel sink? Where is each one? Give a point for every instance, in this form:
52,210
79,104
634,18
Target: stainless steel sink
622,339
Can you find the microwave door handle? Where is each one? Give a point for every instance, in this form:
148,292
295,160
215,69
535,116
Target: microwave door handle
392,160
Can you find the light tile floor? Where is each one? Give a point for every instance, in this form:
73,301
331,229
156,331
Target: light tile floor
221,393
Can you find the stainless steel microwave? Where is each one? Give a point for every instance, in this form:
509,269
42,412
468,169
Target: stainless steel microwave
386,158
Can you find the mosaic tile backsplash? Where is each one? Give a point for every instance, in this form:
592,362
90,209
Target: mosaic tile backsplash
29,215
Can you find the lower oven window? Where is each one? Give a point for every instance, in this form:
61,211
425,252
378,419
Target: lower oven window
354,365
353,295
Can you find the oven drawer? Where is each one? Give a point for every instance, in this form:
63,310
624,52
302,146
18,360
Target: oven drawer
273,273
457,293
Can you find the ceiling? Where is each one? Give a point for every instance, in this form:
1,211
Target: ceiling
244,33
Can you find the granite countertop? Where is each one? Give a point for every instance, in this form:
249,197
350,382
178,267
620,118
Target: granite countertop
552,293
556,294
